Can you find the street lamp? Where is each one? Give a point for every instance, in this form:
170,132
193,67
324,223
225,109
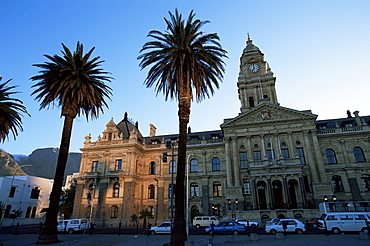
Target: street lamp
187,194
91,190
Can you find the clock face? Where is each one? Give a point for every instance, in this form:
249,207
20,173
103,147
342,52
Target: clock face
254,68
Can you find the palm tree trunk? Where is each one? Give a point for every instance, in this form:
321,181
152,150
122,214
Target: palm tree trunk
50,231
178,235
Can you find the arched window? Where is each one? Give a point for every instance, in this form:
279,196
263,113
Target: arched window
28,212
246,187
330,156
194,166
366,181
33,214
216,164
116,189
359,154
173,167
152,167
217,189
114,212
194,190
151,192
337,183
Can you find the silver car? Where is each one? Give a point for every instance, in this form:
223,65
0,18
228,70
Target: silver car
290,225
163,228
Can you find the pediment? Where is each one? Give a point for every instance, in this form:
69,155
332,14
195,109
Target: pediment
268,113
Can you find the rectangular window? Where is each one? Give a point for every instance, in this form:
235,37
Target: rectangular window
246,187
285,153
12,191
243,160
257,157
300,154
270,154
35,193
118,165
95,166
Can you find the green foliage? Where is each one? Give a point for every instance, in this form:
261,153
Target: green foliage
144,213
11,110
15,213
67,200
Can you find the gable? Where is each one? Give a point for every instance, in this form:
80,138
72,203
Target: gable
268,114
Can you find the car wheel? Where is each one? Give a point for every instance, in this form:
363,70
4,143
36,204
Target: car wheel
197,226
299,231
71,231
235,233
335,230
273,231
365,230
152,232
253,226
314,225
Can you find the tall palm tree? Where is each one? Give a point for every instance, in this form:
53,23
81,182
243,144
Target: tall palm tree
11,110
184,63
76,83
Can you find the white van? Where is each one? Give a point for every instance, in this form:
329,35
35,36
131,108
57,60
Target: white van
337,222
73,225
204,221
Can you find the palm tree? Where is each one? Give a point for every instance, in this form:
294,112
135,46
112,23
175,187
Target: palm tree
10,112
183,59
75,83
144,214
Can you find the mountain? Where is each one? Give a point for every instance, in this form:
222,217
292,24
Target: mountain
40,163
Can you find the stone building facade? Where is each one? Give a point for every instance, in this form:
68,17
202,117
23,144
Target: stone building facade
266,162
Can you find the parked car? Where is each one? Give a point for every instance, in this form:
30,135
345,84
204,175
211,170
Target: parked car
291,225
272,221
348,221
204,221
245,222
165,227
228,226
314,222
73,225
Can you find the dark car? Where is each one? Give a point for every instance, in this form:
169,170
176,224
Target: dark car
229,226
314,222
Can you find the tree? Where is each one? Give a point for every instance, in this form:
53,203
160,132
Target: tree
11,110
183,59
144,213
76,83
67,200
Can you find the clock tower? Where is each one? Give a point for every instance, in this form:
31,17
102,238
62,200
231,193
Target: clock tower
256,81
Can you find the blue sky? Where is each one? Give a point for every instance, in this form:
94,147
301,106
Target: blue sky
318,50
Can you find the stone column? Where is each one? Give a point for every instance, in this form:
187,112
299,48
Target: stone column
303,192
100,208
236,163
309,153
319,162
286,192
254,194
271,204
228,162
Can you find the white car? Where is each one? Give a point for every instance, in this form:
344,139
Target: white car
291,225
245,222
73,225
165,227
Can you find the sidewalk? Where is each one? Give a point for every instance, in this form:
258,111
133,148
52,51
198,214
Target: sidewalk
194,240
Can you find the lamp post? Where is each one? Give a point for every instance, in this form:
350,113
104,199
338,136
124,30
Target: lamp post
187,194
7,198
91,190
